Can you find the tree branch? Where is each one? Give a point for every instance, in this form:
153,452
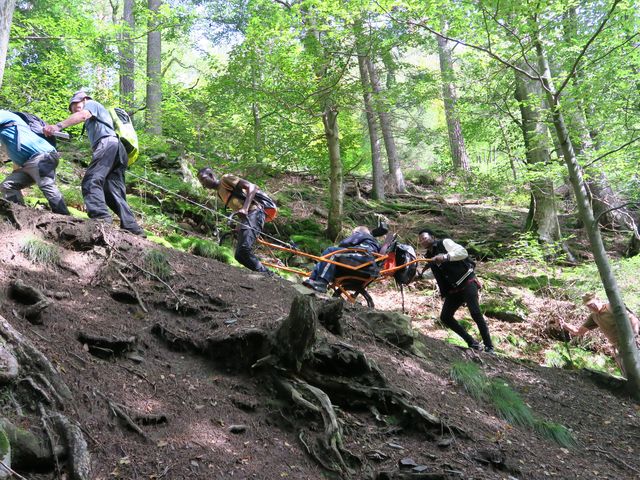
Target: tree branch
612,151
586,46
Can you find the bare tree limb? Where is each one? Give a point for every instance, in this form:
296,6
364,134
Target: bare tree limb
585,47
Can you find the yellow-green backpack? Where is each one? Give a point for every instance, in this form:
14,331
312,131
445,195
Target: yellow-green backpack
123,127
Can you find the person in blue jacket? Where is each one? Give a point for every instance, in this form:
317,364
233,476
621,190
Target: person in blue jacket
34,161
324,272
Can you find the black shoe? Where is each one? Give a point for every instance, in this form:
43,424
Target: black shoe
489,350
476,346
317,285
269,273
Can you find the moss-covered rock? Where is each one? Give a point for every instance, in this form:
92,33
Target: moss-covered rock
392,326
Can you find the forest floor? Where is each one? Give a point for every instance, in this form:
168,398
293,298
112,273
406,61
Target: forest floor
198,407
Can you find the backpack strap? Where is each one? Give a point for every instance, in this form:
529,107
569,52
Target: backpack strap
13,123
84,125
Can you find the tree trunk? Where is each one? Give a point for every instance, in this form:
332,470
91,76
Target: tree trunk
154,71
336,193
459,155
6,15
127,57
258,142
385,125
543,215
374,140
627,345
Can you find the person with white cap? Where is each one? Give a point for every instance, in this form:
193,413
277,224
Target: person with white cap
602,317
103,186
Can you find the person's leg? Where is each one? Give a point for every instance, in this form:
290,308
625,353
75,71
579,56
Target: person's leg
94,178
326,271
471,298
115,191
451,304
250,228
12,185
45,177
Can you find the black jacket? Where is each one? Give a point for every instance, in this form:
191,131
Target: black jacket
361,240
449,273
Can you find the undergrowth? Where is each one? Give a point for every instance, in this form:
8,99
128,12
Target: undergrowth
39,251
507,402
156,263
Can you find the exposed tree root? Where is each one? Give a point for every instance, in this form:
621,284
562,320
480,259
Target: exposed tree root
120,411
30,358
102,346
339,372
78,458
8,365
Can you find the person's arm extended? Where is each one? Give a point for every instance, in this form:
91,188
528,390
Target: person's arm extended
250,190
71,120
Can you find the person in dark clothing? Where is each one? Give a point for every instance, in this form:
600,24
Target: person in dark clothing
251,212
35,161
103,186
324,272
457,283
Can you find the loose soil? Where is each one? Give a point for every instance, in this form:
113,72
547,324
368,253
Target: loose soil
204,412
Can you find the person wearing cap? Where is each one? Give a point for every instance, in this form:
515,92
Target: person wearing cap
457,282
103,186
35,161
601,316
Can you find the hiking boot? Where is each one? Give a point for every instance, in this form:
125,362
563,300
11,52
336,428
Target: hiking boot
489,350
269,273
476,346
139,232
317,285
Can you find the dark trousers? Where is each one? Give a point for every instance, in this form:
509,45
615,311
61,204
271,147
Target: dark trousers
453,301
103,184
249,230
328,271
41,170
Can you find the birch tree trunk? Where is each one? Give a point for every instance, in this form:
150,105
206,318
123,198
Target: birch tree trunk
154,71
459,155
385,125
127,57
374,140
627,345
6,15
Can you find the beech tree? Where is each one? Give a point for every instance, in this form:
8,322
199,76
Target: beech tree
521,29
459,155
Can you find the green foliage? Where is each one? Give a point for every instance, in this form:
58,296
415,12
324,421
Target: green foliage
469,375
39,251
585,278
567,355
507,402
157,263
209,249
